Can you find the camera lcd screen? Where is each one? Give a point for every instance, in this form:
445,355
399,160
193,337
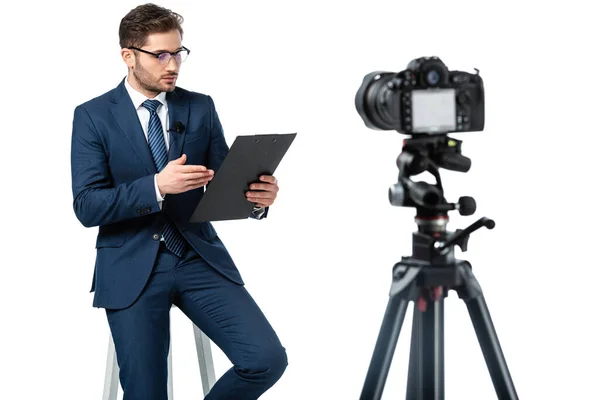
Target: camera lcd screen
433,110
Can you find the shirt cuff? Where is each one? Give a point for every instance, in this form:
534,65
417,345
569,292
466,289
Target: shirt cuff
159,198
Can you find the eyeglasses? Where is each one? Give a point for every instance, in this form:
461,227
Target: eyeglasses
164,57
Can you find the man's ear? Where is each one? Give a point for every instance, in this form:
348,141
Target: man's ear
128,57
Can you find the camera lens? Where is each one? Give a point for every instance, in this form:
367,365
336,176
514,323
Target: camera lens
376,103
433,77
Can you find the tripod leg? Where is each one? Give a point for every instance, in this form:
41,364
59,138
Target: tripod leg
384,349
388,336
426,362
471,293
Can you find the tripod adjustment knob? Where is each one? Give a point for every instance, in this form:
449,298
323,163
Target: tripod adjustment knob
467,205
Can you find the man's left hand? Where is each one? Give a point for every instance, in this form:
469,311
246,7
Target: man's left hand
263,194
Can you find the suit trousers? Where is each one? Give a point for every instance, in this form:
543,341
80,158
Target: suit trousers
222,309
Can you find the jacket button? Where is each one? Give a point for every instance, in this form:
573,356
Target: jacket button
156,236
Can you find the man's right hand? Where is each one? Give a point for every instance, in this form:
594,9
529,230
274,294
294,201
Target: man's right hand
178,178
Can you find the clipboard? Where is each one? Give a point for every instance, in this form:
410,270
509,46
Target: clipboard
248,158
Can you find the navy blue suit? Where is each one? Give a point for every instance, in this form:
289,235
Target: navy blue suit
136,279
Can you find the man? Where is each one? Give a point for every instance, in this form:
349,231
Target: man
141,157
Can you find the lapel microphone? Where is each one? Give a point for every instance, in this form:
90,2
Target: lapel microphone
177,127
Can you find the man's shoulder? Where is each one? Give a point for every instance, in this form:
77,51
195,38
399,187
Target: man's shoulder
99,100
191,95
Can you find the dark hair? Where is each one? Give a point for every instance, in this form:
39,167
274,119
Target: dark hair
145,20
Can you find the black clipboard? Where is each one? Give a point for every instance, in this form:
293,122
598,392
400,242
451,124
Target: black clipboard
248,158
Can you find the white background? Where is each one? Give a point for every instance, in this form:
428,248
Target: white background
320,265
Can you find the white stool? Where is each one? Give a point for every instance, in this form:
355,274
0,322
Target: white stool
205,361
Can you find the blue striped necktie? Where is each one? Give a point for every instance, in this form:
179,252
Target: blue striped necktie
156,141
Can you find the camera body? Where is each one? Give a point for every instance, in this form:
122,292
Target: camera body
424,99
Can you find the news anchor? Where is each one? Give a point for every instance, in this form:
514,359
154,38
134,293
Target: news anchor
141,157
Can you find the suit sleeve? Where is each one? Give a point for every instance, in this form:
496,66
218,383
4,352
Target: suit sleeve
95,199
218,149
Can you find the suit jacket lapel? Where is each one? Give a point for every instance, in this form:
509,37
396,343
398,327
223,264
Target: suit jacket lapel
127,118
179,110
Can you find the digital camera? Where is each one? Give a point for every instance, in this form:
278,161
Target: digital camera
424,99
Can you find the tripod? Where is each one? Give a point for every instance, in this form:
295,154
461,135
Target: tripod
426,277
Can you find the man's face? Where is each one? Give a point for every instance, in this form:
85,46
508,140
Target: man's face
149,75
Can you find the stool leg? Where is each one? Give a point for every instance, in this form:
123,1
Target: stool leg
205,360
170,374
111,378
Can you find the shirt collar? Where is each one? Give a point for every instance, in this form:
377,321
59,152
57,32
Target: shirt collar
138,98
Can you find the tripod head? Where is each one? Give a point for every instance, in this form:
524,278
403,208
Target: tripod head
430,153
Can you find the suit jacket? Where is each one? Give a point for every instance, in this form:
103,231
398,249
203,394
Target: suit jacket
113,188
